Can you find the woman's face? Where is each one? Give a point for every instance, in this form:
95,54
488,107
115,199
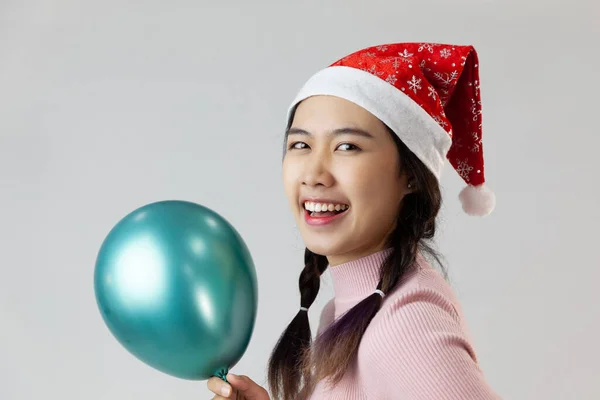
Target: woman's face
338,153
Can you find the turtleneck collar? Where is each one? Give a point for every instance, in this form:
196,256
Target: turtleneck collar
354,280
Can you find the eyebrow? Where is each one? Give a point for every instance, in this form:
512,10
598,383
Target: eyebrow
335,132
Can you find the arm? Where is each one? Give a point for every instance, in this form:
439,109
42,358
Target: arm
422,353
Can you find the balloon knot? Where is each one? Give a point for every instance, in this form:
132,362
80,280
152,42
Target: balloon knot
222,373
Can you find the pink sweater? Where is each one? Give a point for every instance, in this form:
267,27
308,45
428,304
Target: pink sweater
417,347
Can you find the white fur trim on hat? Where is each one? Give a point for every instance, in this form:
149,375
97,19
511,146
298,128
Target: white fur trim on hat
413,125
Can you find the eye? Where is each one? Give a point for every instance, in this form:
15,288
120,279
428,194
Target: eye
294,145
352,147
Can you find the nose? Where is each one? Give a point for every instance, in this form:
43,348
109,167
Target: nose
317,171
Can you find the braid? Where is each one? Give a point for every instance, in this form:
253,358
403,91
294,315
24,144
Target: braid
284,372
310,277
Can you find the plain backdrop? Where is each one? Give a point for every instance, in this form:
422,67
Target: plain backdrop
106,106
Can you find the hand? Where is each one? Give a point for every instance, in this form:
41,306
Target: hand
240,387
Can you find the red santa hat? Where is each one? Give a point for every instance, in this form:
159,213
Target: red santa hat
429,95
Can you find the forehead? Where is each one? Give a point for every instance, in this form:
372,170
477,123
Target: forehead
326,113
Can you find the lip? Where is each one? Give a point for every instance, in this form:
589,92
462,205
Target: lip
319,221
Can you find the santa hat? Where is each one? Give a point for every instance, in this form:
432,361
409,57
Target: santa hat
428,94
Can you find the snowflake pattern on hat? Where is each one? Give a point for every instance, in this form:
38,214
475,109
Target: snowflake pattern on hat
443,79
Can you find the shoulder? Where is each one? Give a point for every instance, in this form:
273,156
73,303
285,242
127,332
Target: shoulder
423,304
423,290
419,342
423,280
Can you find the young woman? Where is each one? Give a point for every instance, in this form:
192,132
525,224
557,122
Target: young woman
364,148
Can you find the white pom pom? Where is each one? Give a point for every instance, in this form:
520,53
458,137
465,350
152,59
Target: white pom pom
477,200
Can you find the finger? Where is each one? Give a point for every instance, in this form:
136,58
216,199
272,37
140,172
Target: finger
249,390
236,395
219,387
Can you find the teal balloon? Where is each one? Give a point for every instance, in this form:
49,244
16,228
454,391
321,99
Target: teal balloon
176,286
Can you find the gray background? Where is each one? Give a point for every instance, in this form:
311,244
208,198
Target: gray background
109,105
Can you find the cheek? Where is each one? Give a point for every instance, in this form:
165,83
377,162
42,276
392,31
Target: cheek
290,182
376,189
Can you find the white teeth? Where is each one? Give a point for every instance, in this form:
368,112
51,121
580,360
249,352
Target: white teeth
318,207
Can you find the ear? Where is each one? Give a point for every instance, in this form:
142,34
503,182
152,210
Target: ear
411,184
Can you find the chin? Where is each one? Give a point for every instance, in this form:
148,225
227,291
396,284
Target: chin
324,249
320,250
